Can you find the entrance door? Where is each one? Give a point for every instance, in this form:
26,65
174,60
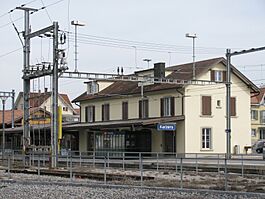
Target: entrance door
169,141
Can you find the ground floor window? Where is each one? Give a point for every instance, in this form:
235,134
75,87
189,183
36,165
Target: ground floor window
206,138
126,141
262,134
253,132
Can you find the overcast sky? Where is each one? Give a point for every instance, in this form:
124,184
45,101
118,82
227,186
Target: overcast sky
219,24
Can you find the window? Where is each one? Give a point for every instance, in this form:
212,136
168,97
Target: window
125,110
253,132
167,106
143,108
105,112
218,76
206,105
262,116
254,114
206,138
90,113
262,133
218,103
65,108
233,106
92,87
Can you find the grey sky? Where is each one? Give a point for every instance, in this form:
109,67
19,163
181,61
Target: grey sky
219,24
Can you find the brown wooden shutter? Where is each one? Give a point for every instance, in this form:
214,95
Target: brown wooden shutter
172,108
224,76
162,107
124,110
86,112
212,75
93,109
102,112
146,108
108,112
206,105
140,109
233,106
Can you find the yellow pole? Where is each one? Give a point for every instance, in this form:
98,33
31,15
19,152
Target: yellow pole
60,128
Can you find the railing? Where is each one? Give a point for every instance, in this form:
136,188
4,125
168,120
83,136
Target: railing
143,166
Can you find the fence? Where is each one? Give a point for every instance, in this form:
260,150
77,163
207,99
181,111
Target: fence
141,168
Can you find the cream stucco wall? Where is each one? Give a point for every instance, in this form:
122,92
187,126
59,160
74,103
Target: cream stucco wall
133,106
194,121
61,103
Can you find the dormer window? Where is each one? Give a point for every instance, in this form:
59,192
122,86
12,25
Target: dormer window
92,87
218,76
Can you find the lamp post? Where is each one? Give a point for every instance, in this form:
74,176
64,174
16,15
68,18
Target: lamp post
3,125
76,23
193,36
147,60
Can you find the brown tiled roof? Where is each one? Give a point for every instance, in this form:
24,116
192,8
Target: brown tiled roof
256,99
36,99
182,72
18,115
125,88
8,116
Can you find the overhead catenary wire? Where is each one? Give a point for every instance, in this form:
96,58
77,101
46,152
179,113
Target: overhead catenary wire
45,8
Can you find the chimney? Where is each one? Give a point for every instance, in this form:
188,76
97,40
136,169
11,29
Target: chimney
159,70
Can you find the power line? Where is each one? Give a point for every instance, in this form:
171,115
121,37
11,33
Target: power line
10,52
46,11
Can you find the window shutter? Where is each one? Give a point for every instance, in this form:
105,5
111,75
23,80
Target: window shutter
224,76
162,107
86,112
140,109
108,112
172,104
102,112
206,105
146,108
233,106
93,109
212,75
124,110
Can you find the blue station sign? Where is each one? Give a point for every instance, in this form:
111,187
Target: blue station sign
166,127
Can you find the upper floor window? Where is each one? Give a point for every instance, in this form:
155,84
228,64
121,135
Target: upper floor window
143,108
262,116
218,76
254,114
262,133
90,113
206,138
65,108
167,106
125,110
105,112
206,105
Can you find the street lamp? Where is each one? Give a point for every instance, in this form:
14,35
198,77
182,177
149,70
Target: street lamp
193,36
147,60
76,23
3,98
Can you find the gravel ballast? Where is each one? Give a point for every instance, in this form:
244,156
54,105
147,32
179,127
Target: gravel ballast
25,186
